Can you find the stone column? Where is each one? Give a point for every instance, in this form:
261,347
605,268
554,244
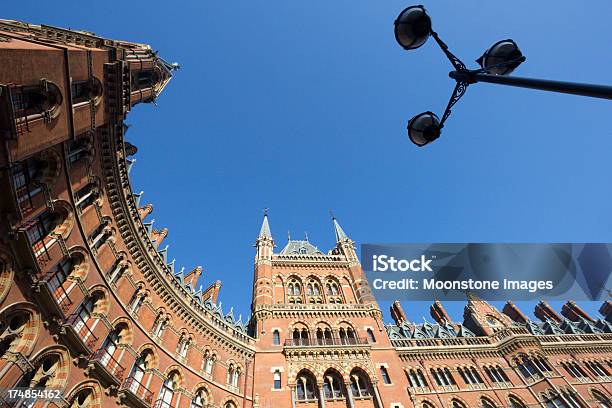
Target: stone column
349,394
377,396
322,396
292,389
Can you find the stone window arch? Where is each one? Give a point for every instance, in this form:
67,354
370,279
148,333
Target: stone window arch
208,361
110,353
65,276
416,378
168,389
200,398
79,149
39,101
300,335
306,389
324,335
7,274
361,386
294,290
85,396
19,328
515,402
43,231
183,344
50,370
455,403
87,195
84,91
86,317
333,385
160,324
333,291
234,372
138,298
601,400
144,363
487,403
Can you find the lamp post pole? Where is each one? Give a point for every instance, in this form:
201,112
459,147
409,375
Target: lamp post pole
574,88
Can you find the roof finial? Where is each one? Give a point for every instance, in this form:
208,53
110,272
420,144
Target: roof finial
306,236
331,213
288,235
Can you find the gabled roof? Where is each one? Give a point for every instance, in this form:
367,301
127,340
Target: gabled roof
299,248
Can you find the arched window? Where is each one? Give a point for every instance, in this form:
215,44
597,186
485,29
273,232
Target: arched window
86,196
182,347
160,324
83,399
305,387
199,399
371,337
136,301
601,400
229,404
385,375
233,375
333,292
427,405
208,362
99,236
301,337
516,403
83,320
166,392
277,380
12,331
43,375
596,368
416,378
142,363
26,180
332,385
294,291
457,404
77,150
36,101
487,403
360,384
527,368
39,231
85,90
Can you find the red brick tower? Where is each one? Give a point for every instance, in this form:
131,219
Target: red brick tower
315,316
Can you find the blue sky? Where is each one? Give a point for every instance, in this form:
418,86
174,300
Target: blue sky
302,107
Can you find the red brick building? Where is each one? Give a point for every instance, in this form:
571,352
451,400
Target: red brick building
90,305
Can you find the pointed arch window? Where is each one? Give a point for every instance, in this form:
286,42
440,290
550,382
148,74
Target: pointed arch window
166,392
200,399
276,337
332,386
305,388
359,386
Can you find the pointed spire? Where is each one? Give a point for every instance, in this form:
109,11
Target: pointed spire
264,232
340,234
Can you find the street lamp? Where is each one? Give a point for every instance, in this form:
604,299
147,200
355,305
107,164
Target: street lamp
413,28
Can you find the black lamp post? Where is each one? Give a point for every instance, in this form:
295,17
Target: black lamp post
413,28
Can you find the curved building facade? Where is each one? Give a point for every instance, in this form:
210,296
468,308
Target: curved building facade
91,307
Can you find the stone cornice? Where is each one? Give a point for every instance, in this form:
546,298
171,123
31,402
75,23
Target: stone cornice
150,263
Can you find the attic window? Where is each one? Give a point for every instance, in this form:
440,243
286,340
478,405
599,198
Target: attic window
302,250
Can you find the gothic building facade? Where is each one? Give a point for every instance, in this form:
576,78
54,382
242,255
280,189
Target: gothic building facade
91,306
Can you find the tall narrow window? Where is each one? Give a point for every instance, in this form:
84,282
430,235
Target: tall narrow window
385,375
277,380
276,337
371,337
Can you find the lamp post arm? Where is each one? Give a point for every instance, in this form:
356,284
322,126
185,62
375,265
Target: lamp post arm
458,92
457,63
574,88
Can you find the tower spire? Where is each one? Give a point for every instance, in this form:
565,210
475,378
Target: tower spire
264,232
340,234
